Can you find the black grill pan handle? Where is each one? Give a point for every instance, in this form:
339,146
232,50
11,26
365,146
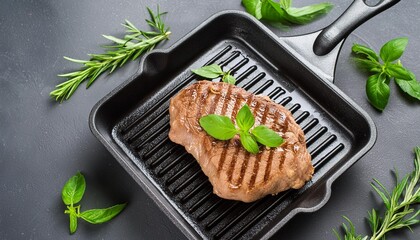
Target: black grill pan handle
357,13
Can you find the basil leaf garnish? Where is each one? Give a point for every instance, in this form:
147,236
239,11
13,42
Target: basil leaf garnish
72,193
222,128
281,14
245,119
73,223
215,71
377,91
398,71
393,49
360,49
411,87
97,216
210,71
249,143
219,127
266,136
227,78
253,7
73,189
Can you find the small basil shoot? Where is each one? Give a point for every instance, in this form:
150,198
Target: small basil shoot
214,71
72,193
282,14
384,67
222,128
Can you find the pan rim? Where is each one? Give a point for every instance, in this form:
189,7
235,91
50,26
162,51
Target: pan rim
187,229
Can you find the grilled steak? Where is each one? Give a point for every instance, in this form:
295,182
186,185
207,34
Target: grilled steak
235,173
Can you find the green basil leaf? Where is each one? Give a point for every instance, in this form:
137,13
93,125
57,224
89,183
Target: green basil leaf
393,49
74,189
369,53
245,119
377,91
369,65
398,71
411,87
227,78
73,222
249,143
97,216
307,14
285,4
266,136
210,71
253,7
219,127
280,25
271,11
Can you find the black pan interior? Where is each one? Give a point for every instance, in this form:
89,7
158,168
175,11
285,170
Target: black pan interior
133,123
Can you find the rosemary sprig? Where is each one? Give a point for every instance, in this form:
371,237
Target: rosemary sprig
134,43
399,204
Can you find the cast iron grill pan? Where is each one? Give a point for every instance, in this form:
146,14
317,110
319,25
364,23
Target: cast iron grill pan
144,135
133,123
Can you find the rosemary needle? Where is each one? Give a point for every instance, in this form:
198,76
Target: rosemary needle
134,43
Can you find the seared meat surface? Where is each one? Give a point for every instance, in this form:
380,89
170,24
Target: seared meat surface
235,173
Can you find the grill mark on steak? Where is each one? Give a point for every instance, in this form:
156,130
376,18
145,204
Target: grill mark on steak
285,121
222,157
268,166
285,145
244,166
270,157
203,98
233,162
194,95
215,101
235,110
226,144
282,158
227,96
238,147
259,156
245,163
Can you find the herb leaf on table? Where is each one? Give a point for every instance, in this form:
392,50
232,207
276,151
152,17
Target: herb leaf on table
96,216
72,193
282,14
74,189
135,43
385,67
399,206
